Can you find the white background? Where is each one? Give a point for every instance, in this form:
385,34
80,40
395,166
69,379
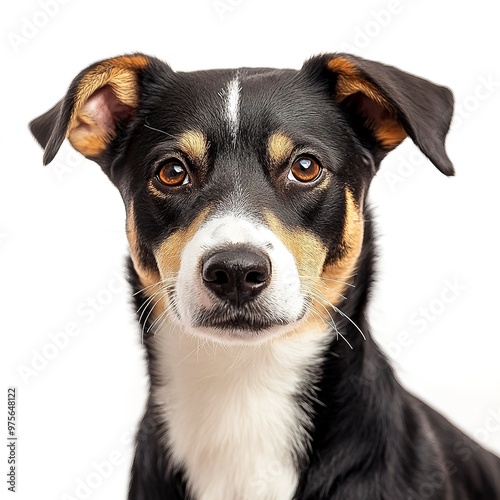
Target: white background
62,238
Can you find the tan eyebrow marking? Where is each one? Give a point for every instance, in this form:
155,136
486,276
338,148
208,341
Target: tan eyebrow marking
279,147
194,144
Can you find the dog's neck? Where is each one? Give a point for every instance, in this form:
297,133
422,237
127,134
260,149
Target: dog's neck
235,409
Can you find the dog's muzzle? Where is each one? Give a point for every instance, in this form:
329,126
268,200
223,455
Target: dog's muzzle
238,282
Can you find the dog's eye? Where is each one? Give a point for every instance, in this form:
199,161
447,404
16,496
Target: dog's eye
304,169
172,173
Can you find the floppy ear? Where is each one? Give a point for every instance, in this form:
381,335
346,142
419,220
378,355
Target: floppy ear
385,105
100,99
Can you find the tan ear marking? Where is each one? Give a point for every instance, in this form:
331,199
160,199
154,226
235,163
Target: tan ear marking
119,72
89,130
387,130
390,133
86,135
342,65
349,82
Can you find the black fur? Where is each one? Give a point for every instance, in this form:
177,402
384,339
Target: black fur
370,438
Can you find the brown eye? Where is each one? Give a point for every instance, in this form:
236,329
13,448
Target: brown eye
172,173
304,169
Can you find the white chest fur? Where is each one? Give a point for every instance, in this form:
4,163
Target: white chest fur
234,424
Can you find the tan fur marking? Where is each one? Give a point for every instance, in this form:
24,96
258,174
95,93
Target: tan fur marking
149,279
326,286
168,254
308,251
147,276
309,254
349,82
342,65
154,191
387,130
390,133
87,137
347,86
194,145
120,73
279,147
343,269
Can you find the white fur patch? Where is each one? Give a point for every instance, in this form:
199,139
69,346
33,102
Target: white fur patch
233,422
231,95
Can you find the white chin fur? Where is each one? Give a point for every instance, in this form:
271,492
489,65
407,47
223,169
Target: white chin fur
242,337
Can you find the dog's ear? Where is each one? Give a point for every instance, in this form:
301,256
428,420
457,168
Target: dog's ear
384,105
100,100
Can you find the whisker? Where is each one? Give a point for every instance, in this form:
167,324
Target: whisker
332,324
327,279
204,345
165,312
316,294
164,293
146,288
321,296
335,325
347,317
146,303
172,311
195,350
158,283
236,360
336,333
162,319
224,347
326,287
147,125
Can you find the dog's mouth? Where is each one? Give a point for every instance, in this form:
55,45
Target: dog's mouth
245,319
250,322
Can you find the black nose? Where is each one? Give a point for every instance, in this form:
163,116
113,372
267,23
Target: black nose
237,274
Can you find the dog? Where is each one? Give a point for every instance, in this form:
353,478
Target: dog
251,263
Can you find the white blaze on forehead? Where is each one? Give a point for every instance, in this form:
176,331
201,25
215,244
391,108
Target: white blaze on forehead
231,96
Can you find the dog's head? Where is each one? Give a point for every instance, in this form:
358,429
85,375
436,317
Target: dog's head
245,189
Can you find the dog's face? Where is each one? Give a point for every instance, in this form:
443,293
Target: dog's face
245,189
244,198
